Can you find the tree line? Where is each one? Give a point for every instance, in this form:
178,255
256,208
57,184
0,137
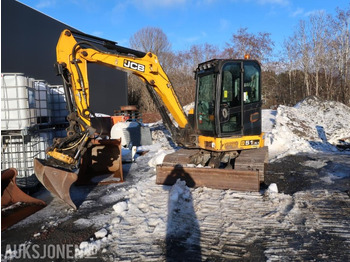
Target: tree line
314,60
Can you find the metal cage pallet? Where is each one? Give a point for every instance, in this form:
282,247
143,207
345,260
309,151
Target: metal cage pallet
18,150
32,114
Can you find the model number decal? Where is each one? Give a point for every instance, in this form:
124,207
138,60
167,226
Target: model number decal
134,65
250,142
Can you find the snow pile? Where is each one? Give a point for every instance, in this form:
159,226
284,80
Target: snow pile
311,125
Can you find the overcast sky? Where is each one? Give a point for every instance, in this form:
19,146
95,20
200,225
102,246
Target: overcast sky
185,22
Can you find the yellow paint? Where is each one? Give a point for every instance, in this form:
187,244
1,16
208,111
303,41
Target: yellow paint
61,157
225,94
147,68
229,143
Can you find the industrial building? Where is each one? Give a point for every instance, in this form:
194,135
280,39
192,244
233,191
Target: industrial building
28,46
33,108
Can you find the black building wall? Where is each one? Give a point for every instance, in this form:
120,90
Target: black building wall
28,45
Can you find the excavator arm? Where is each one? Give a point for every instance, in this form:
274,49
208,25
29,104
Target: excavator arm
72,59
74,51
74,56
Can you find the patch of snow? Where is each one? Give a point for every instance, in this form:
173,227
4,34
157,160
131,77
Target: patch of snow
159,157
101,233
272,189
328,179
315,163
116,220
120,207
83,222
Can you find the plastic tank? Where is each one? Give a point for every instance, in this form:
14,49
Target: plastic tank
42,97
131,133
57,104
18,107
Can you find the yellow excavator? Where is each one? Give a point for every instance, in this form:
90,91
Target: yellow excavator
221,138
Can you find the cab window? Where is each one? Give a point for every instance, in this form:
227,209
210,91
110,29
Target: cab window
251,90
206,103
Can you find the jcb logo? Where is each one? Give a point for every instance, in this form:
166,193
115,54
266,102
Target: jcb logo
133,65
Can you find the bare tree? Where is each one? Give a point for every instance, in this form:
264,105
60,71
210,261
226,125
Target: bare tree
341,25
320,47
257,46
148,39
320,39
152,39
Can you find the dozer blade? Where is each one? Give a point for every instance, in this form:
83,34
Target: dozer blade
57,181
246,177
239,180
15,204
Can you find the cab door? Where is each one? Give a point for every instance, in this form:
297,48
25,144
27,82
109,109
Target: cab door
239,107
251,98
230,103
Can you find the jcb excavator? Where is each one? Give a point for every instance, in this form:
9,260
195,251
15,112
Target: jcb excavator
221,139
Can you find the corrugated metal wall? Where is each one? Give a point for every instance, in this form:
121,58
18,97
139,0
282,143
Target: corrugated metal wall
28,45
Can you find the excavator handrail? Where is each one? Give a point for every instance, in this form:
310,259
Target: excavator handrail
109,44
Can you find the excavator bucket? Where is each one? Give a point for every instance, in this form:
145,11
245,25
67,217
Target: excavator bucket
102,157
15,204
102,163
57,181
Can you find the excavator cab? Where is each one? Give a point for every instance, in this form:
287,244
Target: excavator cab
228,100
227,113
226,119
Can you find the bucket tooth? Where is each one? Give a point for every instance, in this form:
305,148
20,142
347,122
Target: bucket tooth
57,181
